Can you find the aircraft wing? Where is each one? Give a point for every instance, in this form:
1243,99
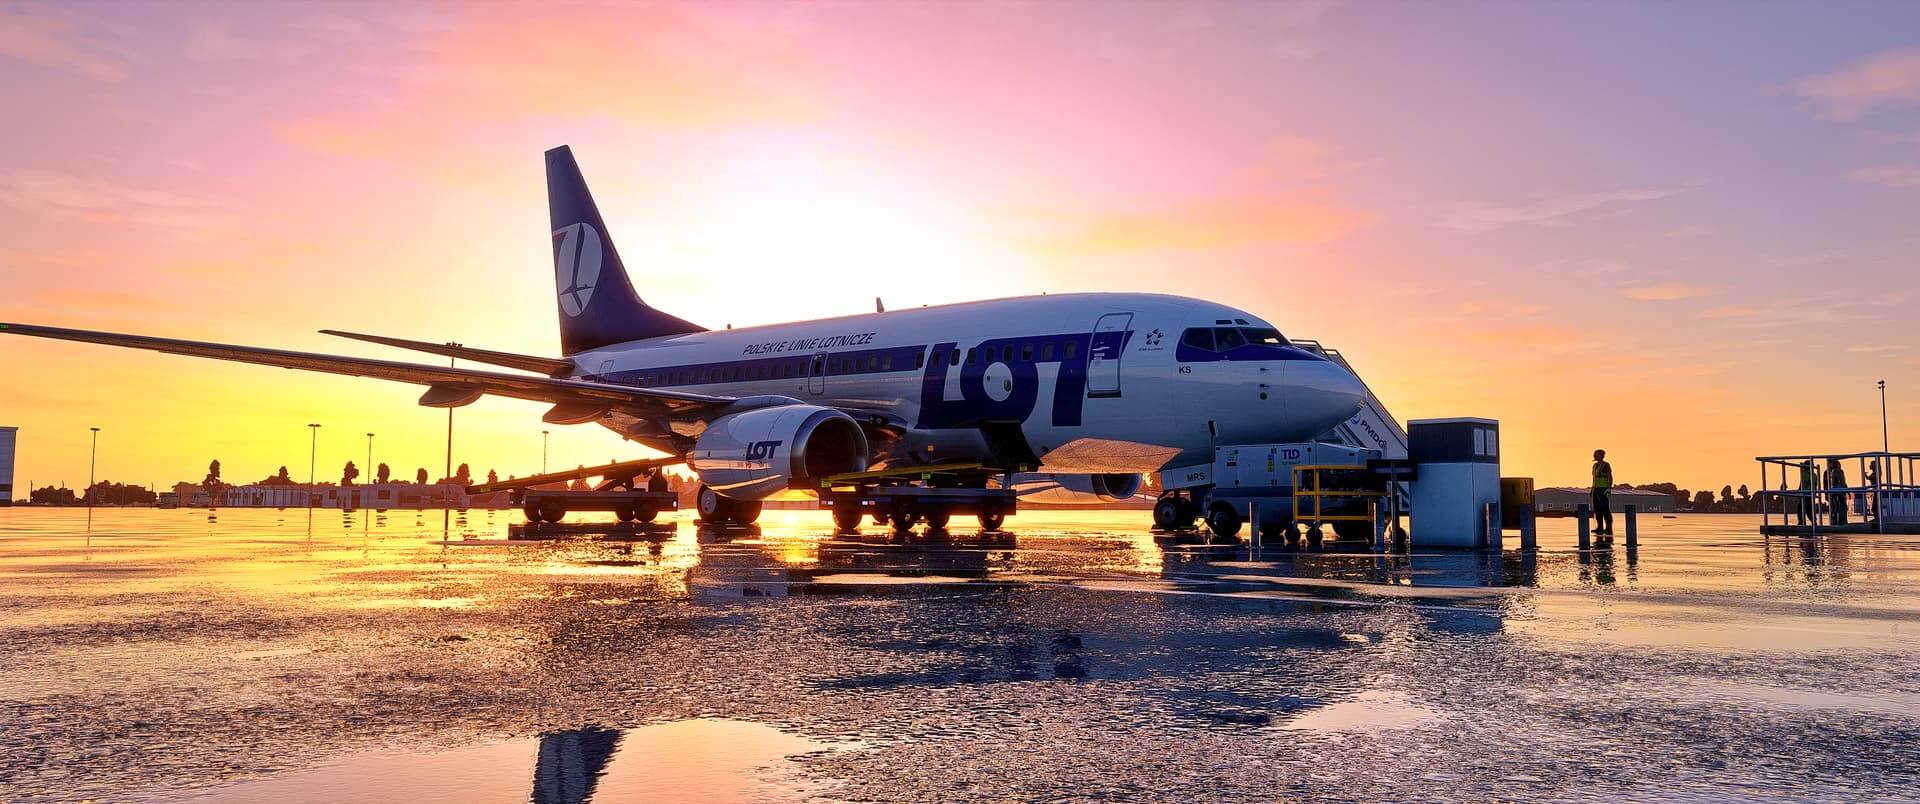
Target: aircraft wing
450,386
549,366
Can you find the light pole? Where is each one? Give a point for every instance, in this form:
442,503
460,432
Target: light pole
93,461
543,452
1883,418
449,471
368,469
313,450
446,511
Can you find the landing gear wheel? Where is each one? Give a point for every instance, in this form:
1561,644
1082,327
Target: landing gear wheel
1224,522
710,505
1315,536
937,520
552,511
847,519
745,512
724,511
1353,531
902,522
991,522
645,514
1166,514
532,511
627,514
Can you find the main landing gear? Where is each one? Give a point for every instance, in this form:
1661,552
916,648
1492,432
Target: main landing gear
902,508
717,510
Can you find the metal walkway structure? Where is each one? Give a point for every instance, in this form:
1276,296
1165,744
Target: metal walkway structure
1879,493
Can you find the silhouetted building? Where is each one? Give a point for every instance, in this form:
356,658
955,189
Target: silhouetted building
368,495
1563,500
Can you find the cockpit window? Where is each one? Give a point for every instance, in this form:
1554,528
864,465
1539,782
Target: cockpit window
1266,336
1225,339
1198,338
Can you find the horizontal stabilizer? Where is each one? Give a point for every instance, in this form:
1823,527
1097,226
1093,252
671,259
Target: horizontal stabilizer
550,366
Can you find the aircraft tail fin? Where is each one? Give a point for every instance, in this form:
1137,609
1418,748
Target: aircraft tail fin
598,305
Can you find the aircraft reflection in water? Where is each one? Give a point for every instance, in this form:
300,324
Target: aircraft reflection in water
571,764
1002,612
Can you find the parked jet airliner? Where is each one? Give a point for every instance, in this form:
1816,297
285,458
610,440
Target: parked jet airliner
1095,388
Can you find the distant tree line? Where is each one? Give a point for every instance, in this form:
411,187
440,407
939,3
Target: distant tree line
1730,501
101,493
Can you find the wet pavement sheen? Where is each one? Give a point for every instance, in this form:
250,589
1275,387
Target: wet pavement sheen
254,655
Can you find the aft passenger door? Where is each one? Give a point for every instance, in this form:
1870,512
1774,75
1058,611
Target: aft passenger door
1103,354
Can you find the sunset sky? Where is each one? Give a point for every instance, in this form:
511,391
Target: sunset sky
1686,232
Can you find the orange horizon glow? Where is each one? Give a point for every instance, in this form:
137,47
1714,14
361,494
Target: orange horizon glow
1532,214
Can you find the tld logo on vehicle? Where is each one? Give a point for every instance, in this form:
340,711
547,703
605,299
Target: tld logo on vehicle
761,449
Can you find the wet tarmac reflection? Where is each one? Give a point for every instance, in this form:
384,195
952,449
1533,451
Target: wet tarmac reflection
250,655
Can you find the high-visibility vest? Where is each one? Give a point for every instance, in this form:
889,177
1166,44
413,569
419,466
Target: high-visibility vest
1602,475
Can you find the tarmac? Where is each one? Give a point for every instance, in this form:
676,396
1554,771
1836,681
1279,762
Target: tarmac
249,655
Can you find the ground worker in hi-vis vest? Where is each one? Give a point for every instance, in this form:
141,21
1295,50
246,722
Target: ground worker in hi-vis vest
1602,494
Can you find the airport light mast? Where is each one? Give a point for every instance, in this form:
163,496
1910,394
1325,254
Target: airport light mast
368,469
313,451
446,509
93,462
543,451
1883,418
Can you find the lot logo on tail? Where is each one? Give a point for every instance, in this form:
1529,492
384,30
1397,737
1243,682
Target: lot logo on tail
576,266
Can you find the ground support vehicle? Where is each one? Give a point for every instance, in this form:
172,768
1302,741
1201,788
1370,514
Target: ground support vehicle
904,497
1255,483
633,491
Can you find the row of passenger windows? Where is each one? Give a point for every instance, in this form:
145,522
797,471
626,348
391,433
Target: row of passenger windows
796,368
1026,351
1221,339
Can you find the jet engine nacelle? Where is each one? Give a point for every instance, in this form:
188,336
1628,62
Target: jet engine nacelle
754,454
1076,489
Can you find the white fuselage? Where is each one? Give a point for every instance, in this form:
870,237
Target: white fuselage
1093,382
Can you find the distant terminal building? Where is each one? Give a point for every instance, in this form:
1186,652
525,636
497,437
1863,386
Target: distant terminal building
7,435
1562,500
370,495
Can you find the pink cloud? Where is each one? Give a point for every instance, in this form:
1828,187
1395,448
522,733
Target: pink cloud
48,38
1665,291
1901,175
1887,79
1478,217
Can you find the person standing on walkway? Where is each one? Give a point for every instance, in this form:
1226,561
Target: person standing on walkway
1602,494
1873,482
1836,500
1805,497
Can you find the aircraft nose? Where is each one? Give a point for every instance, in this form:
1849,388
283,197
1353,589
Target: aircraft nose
1328,394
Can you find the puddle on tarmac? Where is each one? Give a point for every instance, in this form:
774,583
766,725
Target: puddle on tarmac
245,656
700,760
